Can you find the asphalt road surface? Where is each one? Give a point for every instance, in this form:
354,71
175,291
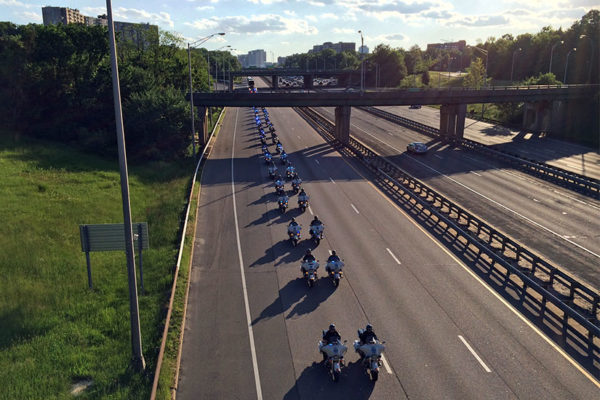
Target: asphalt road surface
570,156
558,224
253,324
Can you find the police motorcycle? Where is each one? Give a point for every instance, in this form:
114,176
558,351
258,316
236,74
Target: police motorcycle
268,157
273,172
316,232
334,352
294,234
334,270
290,171
283,157
309,269
282,202
303,202
275,140
370,354
296,182
279,148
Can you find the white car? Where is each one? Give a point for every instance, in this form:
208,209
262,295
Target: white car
417,148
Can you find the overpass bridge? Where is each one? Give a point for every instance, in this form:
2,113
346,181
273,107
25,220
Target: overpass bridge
345,76
547,107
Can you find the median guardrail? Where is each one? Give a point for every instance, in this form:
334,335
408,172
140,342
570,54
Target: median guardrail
551,285
571,180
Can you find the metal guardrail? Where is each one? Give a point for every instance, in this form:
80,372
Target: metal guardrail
576,301
571,180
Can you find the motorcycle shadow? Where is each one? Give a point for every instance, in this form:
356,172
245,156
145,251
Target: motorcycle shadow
292,292
314,297
316,383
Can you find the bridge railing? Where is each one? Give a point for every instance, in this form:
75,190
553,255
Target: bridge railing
570,299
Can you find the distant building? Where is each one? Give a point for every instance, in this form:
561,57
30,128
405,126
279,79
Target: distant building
254,58
61,15
281,61
363,50
460,45
139,34
338,47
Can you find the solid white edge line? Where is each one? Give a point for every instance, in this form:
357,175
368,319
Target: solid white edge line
310,210
332,181
473,172
386,365
393,256
438,156
239,247
355,209
474,354
317,161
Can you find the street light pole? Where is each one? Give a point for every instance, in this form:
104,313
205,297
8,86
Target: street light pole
139,364
512,68
567,64
591,57
552,51
199,41
362,64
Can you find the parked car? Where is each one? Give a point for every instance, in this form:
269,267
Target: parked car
417,148
414,106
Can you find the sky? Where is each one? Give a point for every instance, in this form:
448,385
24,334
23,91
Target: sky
285,27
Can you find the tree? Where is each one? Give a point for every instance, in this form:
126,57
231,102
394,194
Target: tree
425,78
475,77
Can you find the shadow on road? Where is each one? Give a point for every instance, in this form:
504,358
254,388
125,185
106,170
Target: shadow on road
316,383
314,297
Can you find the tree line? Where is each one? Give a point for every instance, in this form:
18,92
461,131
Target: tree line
524,57
55,84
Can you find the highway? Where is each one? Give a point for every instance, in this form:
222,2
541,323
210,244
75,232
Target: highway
562,226
559,153
253,325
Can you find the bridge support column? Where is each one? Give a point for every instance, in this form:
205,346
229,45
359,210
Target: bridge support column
308,81
275,81
541,116
452,121
342,123
230,83
202,125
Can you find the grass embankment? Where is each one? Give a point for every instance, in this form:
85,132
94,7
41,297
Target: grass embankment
55,331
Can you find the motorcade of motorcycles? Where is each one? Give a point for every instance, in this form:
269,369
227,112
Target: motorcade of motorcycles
294,234
335,357
310,272
334,269
316,233
370,354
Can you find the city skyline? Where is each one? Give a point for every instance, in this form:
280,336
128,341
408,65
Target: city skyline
283,28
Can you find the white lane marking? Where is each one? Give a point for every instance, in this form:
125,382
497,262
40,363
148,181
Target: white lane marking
330,253
354,208
317,161
239,248
511,210
298,137
536,200
386,365
493,292
310,210
438,156
393,256
475,354
473,172
332,181
576,199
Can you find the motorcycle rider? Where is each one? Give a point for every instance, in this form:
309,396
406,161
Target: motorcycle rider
283,199
272,169
308,257
367,335
316,221
330,336
292,223
332,258
302,196
290,170
296,179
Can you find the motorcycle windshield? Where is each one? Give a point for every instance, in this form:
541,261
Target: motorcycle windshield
372,349
333,350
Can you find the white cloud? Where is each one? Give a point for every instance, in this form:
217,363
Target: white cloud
345,31
265,1
291,13
329,16
311,18
205,8
482,20
32,16
135,15
269,23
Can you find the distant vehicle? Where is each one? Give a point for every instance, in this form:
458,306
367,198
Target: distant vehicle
250,82
414,106
417,148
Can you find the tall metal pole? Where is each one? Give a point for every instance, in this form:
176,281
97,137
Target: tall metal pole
567,64
362,64
591,57
139,364
552,51
192,102
512,68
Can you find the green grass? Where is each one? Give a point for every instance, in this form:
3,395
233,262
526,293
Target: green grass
54,331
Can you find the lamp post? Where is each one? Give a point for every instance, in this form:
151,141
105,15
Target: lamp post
512,68
362,64
223,59
199,41
138,361
552,51
229,66
567,64
591,57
